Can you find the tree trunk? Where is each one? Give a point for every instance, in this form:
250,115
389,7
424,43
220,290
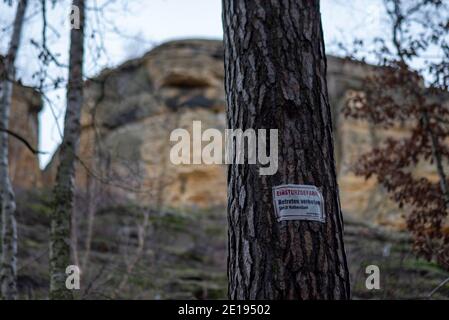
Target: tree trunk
8,268
64,187
437,157
275,78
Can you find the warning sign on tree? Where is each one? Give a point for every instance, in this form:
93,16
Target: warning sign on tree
298,202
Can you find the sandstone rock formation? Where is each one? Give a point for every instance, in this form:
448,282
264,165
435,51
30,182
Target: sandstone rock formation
24,165
129,115
130,112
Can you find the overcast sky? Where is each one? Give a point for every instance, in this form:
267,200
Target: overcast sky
130,28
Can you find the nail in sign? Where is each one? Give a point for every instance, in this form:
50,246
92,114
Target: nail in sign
298,202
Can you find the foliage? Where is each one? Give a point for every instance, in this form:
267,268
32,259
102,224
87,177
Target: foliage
397,95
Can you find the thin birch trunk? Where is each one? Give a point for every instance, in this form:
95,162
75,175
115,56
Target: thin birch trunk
8,270
64,187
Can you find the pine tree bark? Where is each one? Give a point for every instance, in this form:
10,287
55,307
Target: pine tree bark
64,187
8,268
275,78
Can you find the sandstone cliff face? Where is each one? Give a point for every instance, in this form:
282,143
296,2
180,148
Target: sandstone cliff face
131,111
129,115
24,165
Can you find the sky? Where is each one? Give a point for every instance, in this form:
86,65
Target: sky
128,29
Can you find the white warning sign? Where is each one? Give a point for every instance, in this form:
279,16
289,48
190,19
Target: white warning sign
298,202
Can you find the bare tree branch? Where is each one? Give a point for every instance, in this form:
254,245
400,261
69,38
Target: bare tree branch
23,140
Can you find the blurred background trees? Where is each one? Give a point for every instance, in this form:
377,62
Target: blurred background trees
402,94
144,228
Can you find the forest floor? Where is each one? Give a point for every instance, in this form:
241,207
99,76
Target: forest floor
184,256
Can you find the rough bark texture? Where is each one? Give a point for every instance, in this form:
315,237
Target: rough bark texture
63,190
275,69
8,268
